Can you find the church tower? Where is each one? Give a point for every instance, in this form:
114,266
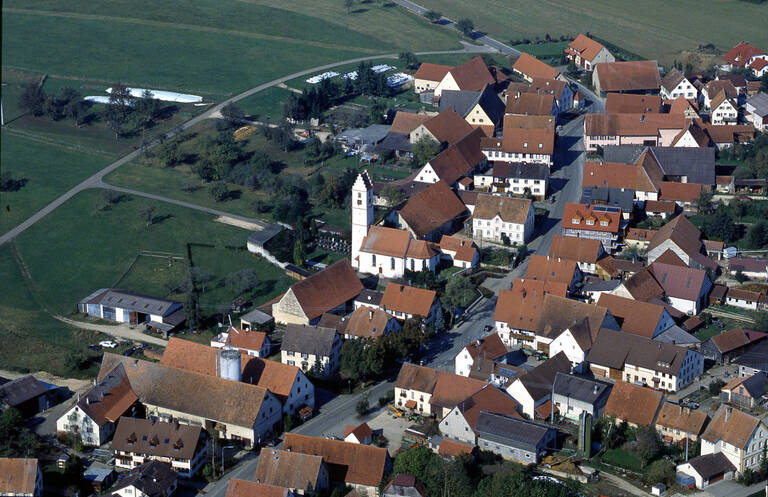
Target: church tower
362,213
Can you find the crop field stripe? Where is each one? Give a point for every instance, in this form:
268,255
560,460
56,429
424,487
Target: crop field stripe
191,27
56,143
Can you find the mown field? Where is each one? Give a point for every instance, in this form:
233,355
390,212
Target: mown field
653,28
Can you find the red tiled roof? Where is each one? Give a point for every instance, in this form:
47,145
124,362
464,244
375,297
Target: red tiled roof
585,47
431,209
472,75
631,403
534,68
452,448
684,192
431,72
628,76
408,299
520,306
740,54
578,216
327,289
621,103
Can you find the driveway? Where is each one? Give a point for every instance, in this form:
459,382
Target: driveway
119,330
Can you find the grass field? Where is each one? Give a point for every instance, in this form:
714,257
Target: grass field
151,274
652,29
622,458
47,169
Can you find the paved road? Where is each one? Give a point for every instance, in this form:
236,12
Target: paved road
118,330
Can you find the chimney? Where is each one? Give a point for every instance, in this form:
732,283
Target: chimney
370,314
594,390
727,414
680,409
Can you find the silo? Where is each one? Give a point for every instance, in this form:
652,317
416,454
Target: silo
229,364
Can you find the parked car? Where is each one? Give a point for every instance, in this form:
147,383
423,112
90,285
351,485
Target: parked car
94,347
108,344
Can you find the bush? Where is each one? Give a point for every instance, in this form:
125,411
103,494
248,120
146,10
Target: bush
715,386
661,471
362,406
748,477
218,191
387,398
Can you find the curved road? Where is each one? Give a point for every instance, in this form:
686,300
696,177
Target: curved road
96,181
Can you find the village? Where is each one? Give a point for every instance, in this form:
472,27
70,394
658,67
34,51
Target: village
567,292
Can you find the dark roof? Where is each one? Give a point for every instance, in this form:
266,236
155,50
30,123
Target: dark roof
370,297
698,163
538,382
617,348
580,388
618,197
394,141
153,478
132,301
156,438
264,235
508,430
460,101
736,338
677,336
711,465
520,170
308,339
21,390
756,357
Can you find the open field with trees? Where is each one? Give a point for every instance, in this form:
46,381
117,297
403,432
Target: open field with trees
653,31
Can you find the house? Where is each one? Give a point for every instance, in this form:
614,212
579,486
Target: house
587,53
529,67
311,348
546,268
683,194
725,135
628,103
512,122
460,159
237,410
360,466
518,309
94,414
684,239
603,130
428,76
574,395
686,288
759,68
678,164
593,288
183,447
256,320
746,392
708,469
521,145
737,435
20,477
286,382
100,478
496,373
675,423
757,110
463,253
133,308
677,335
639,237
368,298
245,488
330,290
616,198
633,404
610,267
498,218
723,110
642,286
404,485
460,423
637,317
586,252
534,388
431,392
681,105
253,343
754,360
645,182
408,302
742,55
27,394
514,439
389,252
368,322
675,84
560,90
446,127
692,136
594,222
640,76
743,298
481,109
360,434
449,449
472,75
632,358
715,87
432,213
531,104
660,208
727,346
153,479
490,347
516,178
293,470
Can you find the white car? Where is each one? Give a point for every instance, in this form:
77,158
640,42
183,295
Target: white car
108,344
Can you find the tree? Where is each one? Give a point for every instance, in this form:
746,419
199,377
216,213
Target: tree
242,281
761,322
649,444
348,5
192,309
299,254
170,154
459,292
219,191
758,234
722,225
704,201
661,471
424,150
232,115
146,213
392,194
409,59
433,15
740,276
439,324
15,439
715,386
146,109
362,406
109,198
33,99
466,26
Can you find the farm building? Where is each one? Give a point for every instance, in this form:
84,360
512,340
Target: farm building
133,308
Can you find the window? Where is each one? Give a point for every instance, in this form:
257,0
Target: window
392,263
373,259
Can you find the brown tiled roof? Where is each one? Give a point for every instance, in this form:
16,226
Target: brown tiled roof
736,431
490,399
244,488
347,462
670,257
545,268
682,232
452,448
623,103
246,339
634,316
289,469
407,481
680,282
201,395
408,299
727,133
520,306
718,100
431,72
643,286
17,476
615,175
741,53
538,382
736,338
639,234
673,78
472,75
717,85
660,206
559,314
681,418
418,378
459,159
530,104
585,47
327,289
631,124
448,126
450,389
529,122
386,241
509,209
628,76
405,122
582,214
110,397
465,249
684,192
523,141
156,438
548,86
747,264
534,68
632,403
490,347
432,208
680,105
360,431
420,249
366,322
615,349
578,249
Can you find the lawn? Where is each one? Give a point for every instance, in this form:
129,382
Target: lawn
46,169
652,30
265,105
153,274
623,459
550,50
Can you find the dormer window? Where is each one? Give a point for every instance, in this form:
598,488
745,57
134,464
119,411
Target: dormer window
575,220
525,145
590,222
603,223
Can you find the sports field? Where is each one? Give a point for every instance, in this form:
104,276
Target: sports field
656,29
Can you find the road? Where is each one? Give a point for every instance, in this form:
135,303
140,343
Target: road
118,330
